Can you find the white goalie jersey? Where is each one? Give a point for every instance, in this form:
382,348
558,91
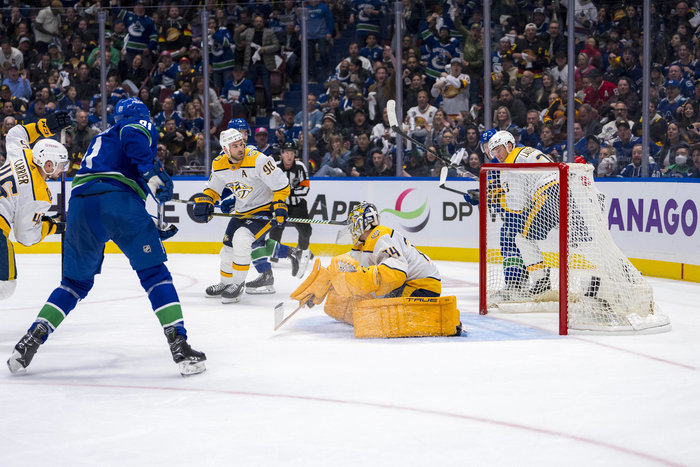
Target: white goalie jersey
386,247
256,181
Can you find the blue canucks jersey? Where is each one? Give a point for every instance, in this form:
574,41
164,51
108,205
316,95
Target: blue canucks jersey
119,154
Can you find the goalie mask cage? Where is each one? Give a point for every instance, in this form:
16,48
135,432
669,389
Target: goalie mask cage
550,223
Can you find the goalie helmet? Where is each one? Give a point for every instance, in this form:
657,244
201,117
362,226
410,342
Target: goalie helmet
48,150
363,217
501,138
131,108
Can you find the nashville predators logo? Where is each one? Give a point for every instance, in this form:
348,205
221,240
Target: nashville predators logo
241,190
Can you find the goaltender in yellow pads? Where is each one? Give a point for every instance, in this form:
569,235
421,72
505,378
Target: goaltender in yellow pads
384,287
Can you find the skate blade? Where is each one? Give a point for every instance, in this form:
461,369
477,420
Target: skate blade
15,366
191,368
303,264
260,291
231,300
212,296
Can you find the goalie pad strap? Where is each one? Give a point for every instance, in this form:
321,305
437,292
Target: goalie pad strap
406,317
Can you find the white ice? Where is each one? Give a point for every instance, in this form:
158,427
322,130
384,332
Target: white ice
104,391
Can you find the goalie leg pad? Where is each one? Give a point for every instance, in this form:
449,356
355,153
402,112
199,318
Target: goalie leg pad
361,282
340,308
315,286
407,317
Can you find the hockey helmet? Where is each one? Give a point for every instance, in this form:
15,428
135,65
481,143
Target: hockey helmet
501,138
485,137
131,107
239,124
363,217
49,150
227,137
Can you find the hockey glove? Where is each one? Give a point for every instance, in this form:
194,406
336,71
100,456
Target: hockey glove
58,121
278,213
167,232
52,225
472,197
159,182
203,208
228,205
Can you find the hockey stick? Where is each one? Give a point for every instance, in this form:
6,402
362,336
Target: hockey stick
394,124
62,205
443,178
279,314
293,220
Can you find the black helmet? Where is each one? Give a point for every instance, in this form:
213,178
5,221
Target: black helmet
288,146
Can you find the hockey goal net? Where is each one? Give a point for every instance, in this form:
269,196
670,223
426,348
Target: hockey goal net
545,246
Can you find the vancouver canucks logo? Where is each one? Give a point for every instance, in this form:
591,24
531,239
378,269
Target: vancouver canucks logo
416,218
241,190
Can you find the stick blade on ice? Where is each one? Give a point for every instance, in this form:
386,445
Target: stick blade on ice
279,314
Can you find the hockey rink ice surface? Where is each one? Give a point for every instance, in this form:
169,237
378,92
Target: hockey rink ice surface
104,391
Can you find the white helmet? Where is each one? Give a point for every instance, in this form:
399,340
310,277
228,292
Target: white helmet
229,136
46,150
501,138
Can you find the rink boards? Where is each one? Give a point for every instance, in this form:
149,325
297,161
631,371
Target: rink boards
655,223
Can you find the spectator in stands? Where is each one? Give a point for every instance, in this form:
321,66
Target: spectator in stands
381,91
329,128
624,142
420,117
47,23
167,113
453,89
216,111
502,119
627,66
360,125
335,162
319,32
175,34
680,167
193,120
609,131
531,53
526,91
176,140
381,165
671,105
634,168
261,141
9,55
410,93
360,155
20,86
260,45
239,92
440,50
165,74
695,169
220,54
588,118
530,133
289,131
547,144
382,135
143,35
515,106
84,83
472,55
371,51
291,49
600,91
315,116
675,136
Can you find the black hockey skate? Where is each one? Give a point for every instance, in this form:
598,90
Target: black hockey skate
300,261
27,346
541,285
263,284
232,293
189,361
214,291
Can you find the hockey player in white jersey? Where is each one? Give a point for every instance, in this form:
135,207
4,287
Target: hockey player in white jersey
529,208
24,195
260,187
382,284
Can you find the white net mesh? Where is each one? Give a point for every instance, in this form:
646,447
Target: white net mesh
605,291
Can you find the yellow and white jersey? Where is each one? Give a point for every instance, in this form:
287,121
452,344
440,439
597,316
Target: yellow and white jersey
256,181
21,136
388,248
521,190
24,198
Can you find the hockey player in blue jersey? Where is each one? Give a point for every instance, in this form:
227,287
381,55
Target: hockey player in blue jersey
108,203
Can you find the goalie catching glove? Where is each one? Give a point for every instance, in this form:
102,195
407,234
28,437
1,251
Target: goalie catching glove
203,208
159,182
278,214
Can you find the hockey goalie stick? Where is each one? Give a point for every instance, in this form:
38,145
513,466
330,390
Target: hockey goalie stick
279,314
394,124
293,220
